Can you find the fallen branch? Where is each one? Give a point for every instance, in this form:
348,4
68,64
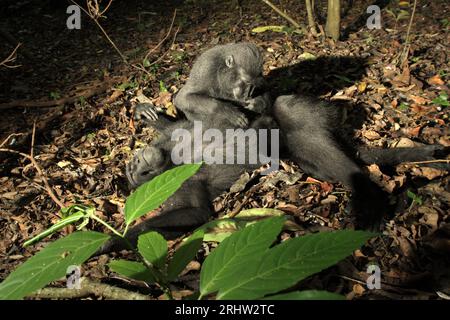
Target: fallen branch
87,288
76,95
284,15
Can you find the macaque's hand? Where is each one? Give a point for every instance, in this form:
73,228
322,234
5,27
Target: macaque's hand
145,111
259,104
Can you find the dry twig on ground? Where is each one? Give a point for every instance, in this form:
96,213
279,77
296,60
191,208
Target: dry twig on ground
38,168
11,58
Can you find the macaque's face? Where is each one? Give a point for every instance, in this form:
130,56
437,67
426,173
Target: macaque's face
147,164
248,84
246,81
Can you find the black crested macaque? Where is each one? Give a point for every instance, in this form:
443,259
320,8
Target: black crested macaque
308,130
191,205
224,82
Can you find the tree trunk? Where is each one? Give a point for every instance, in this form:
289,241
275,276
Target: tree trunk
333,19
309,11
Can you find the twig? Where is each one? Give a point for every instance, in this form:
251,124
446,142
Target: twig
9,137
37,167
87,288
163,55
69,99
94,15
11,58
33,135
164,39
429,161
284,15
405,51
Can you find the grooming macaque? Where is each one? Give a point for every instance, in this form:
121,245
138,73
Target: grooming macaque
223,84
224,81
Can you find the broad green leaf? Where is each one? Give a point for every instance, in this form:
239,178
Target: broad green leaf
307,295
289,262
153,247
132,269
227,260
57,226
51,263
152,194
184,254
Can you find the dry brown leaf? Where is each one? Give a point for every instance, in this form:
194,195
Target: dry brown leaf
362,87
358,289
405,246
429,173
371,135
412,132
430,217
418,99
436,80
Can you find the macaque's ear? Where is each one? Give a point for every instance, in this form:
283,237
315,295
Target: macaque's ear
229,61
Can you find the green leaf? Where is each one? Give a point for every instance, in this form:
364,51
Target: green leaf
57,226
218,230
442,100
184,254
51,263
289,262
153,247
132,269
269,28
403,106
162,87
307,56
415,198
227,260
307,295
152,194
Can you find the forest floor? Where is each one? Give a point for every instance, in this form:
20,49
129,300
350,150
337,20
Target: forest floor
83,143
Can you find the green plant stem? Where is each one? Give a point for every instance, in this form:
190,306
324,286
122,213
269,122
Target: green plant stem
106,225
159,275
126,230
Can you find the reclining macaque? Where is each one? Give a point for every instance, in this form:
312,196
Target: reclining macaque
224,82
